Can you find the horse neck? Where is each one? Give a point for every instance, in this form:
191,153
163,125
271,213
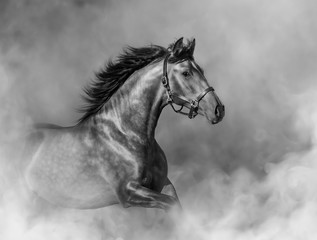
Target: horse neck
136,106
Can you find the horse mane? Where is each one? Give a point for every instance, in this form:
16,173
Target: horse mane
114,74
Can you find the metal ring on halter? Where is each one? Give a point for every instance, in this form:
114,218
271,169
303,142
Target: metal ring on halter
194,103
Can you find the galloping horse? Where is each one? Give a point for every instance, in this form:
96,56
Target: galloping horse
111,156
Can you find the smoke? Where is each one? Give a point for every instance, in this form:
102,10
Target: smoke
253,176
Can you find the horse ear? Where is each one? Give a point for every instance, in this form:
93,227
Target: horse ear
192,47
178,45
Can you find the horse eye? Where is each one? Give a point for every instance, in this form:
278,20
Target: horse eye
186,74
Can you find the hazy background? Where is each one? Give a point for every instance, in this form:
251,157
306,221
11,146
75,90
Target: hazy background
253,176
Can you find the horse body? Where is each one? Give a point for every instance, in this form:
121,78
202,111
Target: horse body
84,166
111,156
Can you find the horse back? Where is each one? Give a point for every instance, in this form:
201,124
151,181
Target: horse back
34,138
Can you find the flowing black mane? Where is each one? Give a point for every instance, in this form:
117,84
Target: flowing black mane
109,79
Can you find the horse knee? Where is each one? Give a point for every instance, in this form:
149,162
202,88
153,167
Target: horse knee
133,194
125,193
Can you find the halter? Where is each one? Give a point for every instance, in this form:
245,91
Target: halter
182,101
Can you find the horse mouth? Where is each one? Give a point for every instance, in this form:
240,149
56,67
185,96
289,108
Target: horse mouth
215,121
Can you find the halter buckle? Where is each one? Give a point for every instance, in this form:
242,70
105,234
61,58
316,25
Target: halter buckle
164,81
169,98
193,108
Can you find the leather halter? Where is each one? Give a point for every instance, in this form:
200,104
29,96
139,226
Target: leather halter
182,101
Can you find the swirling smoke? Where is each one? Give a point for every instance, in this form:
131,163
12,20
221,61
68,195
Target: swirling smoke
253,176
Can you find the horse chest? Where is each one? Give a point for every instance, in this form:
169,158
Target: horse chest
155,171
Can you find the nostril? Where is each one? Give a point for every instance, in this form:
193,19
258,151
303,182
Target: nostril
217,112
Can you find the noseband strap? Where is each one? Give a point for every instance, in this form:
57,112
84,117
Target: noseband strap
182,101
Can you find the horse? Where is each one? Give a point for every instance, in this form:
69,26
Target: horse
110,156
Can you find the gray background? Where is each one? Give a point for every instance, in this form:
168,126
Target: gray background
253,176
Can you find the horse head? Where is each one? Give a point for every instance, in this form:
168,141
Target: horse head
187,86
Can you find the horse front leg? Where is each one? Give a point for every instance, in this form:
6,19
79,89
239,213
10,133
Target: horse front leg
134,194
170,190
